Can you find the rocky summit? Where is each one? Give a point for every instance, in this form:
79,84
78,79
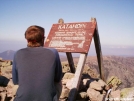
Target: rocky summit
118,86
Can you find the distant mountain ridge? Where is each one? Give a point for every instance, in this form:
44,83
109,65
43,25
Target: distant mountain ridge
7,55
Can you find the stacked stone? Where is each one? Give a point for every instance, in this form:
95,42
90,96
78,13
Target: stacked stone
91,87
7,93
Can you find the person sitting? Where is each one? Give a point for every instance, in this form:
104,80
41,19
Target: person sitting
36,69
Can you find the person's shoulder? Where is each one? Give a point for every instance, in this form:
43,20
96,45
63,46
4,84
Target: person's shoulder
53,50
20,50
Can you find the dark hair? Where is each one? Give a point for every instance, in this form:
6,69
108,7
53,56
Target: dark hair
35,36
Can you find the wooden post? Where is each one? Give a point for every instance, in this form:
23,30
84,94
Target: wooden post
68,54
77,77
70,61
98,50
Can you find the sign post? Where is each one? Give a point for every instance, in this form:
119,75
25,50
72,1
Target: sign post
98,50
75,38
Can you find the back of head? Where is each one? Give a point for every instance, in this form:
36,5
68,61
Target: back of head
35,36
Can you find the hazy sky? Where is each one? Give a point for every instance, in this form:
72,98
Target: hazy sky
115,19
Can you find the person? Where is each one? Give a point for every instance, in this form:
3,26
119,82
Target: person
4,81
37,69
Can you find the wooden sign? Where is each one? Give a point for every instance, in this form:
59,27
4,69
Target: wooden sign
71,37
76,38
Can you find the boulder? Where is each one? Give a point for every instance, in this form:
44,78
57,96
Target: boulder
64,81
65,67
69,83
7,71
65,93
128,93
115,95
93,94
96,85
5,63
102,83
68,76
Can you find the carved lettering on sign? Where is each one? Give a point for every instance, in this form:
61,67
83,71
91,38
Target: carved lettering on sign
70,26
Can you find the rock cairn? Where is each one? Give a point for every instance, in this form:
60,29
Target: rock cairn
7,93
92,88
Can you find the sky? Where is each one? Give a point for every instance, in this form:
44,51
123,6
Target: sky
115,19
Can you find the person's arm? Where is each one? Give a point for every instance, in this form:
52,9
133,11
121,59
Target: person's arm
3,81
14,72
58,69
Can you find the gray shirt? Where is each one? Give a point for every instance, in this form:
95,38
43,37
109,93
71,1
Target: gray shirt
35,70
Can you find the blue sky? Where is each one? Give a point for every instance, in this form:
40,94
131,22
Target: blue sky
115,19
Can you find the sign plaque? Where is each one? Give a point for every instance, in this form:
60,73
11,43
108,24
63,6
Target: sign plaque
71,37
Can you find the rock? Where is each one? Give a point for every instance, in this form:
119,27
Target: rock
2,89
69,83
127,93
95,85
101,97
3,96
68,76
7,71
6,63
11,89
64,81
115,95
65,93
93,94
65,67
102,83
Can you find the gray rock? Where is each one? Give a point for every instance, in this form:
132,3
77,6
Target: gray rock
96,85
68,76
128,93
102,83
93,94
64,93
115,95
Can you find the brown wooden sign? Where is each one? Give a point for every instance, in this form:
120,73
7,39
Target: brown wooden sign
71,37
76,38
